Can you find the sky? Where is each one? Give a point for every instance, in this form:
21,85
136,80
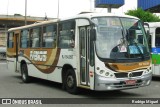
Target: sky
67,8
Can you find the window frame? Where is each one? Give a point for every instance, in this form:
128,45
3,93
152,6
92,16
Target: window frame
28,45
31,36
54,30
72,30
157,34
8,41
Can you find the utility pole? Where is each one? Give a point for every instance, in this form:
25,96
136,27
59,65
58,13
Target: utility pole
58,10
109,9
25,12
90,5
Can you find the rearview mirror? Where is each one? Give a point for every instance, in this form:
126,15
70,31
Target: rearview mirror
93,34
148,35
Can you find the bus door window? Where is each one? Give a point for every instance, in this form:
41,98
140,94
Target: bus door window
83,54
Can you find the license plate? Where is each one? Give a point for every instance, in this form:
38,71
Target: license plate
130,82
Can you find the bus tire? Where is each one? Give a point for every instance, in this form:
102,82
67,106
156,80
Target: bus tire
70,82
24,73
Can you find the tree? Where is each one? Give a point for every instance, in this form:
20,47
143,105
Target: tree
145,16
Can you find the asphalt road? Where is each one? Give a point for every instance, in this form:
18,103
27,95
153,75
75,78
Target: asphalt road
11,86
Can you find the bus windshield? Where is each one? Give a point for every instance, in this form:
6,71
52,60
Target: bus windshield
120,38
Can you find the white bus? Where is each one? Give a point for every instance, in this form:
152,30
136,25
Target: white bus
92,50
154,29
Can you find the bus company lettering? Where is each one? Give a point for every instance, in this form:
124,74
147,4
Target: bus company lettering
144,63
38,55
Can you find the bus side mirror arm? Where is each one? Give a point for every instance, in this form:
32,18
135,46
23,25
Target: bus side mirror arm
145,24
148,33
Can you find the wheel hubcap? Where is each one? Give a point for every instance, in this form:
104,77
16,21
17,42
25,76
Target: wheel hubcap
24,76
23,73
70,81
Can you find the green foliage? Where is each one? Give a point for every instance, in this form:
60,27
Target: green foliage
145,16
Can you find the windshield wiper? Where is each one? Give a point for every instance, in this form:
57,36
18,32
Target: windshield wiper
122,40
123,37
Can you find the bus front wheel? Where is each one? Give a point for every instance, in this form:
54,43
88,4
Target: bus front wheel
70,82
24,73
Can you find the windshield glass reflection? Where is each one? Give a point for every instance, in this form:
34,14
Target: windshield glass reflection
120,38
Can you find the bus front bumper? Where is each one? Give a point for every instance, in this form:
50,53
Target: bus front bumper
104,84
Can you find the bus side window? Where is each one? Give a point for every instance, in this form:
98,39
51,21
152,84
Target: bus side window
24,40
66,34
35,37
49,36
10,42
150,43
157,37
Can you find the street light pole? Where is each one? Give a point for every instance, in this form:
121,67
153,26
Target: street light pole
25,12
90,5
58,10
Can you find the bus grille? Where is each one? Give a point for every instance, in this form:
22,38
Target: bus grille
125,75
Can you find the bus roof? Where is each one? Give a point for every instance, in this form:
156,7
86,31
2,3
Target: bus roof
154,24
90,15
32,25
81,15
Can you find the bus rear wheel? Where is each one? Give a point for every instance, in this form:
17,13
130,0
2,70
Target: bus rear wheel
24,73
70,82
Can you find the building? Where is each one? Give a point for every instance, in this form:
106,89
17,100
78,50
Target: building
150,5
109,4
10,21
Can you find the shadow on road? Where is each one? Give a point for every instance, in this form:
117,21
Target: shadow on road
107,94
83,92
156,78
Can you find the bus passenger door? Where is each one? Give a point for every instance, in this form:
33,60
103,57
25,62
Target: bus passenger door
12,51
83,51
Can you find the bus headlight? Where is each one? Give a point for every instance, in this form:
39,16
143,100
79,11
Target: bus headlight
107,73
101,71
147,71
